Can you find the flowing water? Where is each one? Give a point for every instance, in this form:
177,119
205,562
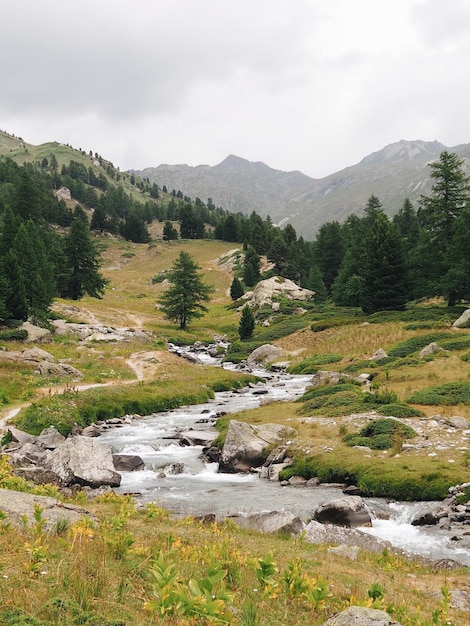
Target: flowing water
176,478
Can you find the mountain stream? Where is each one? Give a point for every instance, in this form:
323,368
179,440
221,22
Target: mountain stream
177,479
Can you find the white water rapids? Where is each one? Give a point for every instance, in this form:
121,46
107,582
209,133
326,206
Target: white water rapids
199,489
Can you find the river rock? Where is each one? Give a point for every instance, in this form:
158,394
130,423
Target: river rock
16,505
84,461
128,463
271,522
19,436
340,535
350,512
264,354
245,444
27,454
360,616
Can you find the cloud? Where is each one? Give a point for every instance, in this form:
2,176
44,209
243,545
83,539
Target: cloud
306,85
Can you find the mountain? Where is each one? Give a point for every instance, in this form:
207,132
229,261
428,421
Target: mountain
398,171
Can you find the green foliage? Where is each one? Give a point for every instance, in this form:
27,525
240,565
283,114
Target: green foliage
380,434
15,334
458,343
312,364
409,346
448,394
236,289
247,323
183,300
464,497
400,410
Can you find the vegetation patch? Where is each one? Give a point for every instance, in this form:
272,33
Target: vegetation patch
381,434
405,348
448,394
458,343
312,364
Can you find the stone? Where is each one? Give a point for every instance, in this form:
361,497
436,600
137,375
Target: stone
272,522
128,462
340,535
16,505
430,349
36,334
347,552
361,616
84,461
245,444
266,290
380,354
463,320
350,512
264,354
460,599
50,438
455,421
20,436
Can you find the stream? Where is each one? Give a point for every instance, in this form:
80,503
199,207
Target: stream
177,479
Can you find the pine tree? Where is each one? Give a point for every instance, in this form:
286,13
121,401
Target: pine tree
247,323
183,300
251,267
236,289
83,261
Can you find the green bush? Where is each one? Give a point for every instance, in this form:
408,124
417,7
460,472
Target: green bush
327,390
400,410
414,344
311,365
14,334
387,426
448,394
359,366
458,343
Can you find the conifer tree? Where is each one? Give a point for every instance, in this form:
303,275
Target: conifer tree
183,300
251,267
247,323
236,289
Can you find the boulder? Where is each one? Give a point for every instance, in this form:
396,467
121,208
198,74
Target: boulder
27,454
272,522
50,438
430,349
380,354
36,334
360,616
463,320
245,444
264,354
455,421
18,505
84,461
350,512
127,462
339,535
265,290
38,475
46,368
19,436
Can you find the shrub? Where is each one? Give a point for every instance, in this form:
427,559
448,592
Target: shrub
400,410
15,334
448,394
458,343
380,434
310,365
414,344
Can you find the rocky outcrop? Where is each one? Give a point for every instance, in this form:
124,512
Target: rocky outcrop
18,505
41,361
245,445
266,290
360,616
99,332
350,512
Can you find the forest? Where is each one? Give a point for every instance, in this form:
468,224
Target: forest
370,261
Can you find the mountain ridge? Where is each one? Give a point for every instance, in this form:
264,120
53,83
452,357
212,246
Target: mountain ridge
399,170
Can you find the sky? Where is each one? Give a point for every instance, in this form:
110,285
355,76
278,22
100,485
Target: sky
309,85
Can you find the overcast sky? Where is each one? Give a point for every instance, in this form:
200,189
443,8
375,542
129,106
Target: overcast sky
310,85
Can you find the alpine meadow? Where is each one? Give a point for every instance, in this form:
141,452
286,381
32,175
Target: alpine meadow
108,277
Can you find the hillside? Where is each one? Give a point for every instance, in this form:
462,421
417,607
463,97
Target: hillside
394,173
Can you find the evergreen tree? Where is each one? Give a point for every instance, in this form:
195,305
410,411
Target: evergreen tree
15,303
236,289
384,269
316,284
183,300
438,214
407,224
329,250
169,231
83,261
251,267
247,323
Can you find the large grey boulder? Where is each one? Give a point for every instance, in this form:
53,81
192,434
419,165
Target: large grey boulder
16,505
277,286
50,438
339,535
264,354
128,463
430,349
349,511
84,461
360,616
245,445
